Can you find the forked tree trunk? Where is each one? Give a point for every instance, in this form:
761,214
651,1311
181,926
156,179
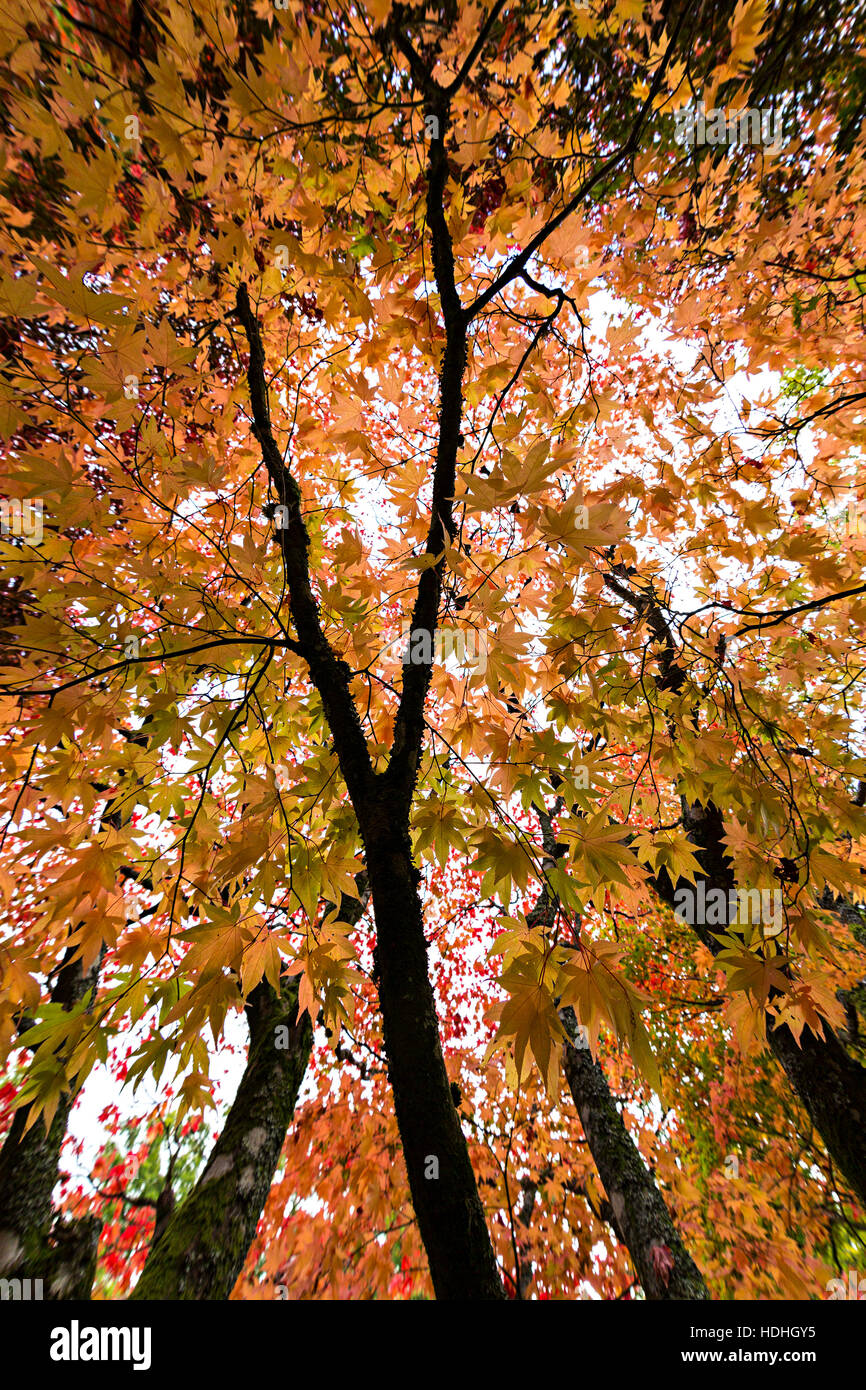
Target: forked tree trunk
444,1193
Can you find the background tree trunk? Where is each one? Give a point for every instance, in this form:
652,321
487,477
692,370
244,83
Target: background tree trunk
202,1247
199,1248
829,1083
29,1165
641,1219
638,1211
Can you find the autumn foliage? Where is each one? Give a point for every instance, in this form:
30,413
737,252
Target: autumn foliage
445,503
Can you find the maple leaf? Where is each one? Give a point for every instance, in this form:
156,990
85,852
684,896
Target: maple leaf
662,1261
328,338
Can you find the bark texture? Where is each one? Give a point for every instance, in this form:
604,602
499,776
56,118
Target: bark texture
199,1247
444,1193
829,1083
203,1244
640,1217
29,1248
637,1211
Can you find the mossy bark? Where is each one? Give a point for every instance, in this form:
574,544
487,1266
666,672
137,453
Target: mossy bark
635,1208
29,1170
830,1084
70,1265
199,1248
639,1214
832,1089
202,1247
28,1174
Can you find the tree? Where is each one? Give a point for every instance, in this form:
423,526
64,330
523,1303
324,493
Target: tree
421,473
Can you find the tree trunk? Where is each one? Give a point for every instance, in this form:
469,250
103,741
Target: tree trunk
29,1161
444,1193
641,1219
638,1212
829,1083
450,1214
198,1249
71,1263
832,1089
63,1257
203,1244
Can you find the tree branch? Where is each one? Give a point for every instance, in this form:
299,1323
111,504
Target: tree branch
629,147
330,675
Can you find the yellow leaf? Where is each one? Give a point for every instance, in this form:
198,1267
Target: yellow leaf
261,958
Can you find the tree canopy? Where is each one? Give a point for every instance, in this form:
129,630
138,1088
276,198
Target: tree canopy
434,555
